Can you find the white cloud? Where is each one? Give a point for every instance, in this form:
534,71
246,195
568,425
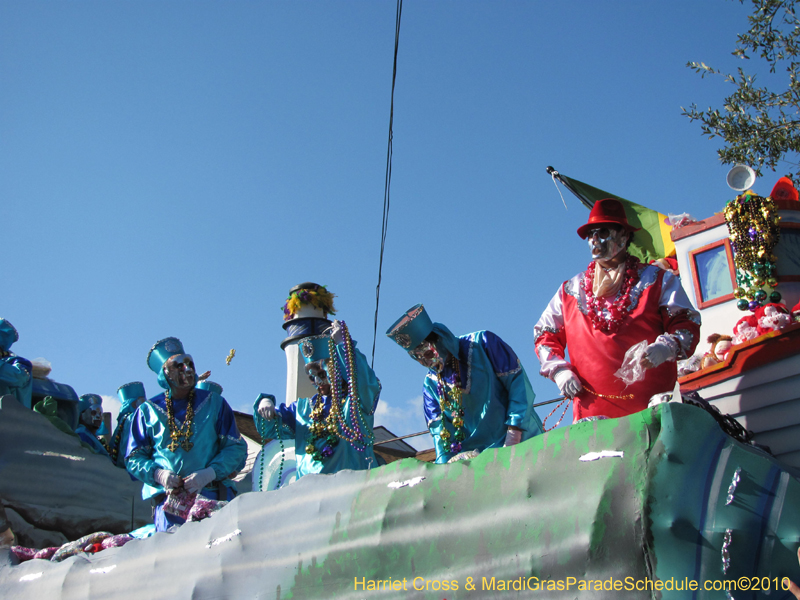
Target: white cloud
402,418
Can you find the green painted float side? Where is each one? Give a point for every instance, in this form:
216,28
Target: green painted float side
538,511
531,511
534,510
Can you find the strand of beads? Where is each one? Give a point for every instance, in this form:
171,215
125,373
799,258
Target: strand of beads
321,427
354,435
262,431
753,226
118,438
356,410
566,400
619,308
452,403
607,396
180,435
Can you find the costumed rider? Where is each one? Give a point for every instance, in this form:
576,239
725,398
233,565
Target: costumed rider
131,396
15,371
333,430
183,439
476,394
601,313
90,418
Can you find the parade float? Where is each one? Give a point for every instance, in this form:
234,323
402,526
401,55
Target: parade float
758,379
664,503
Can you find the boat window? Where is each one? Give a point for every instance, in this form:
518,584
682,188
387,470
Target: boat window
788,252
713,274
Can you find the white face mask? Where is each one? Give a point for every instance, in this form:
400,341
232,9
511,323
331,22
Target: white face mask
180,371
93,416
606,242
319,377
428,356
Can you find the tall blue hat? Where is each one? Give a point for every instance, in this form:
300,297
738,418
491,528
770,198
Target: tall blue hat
162,351
410,330
87,400
130,393
8,335
211,386
315,348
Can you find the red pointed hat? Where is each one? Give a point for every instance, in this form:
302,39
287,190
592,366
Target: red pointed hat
785,190
606,211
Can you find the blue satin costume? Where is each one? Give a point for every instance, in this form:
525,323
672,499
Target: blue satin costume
128,394
87,436
215,438
90,439
496,393
296,419
15,371
123,428
15,378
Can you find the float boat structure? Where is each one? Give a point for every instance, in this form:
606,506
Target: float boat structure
659,504
662,496
759,381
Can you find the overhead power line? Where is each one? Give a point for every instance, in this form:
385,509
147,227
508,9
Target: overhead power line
388,181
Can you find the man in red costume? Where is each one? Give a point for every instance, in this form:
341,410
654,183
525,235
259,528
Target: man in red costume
600,313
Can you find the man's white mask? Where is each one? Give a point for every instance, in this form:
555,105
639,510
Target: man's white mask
605,242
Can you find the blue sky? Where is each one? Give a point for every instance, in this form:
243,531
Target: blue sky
174,168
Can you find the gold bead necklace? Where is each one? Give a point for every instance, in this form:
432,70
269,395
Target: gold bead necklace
180,435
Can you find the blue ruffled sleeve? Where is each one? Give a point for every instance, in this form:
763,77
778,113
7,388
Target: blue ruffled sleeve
286,417
232,453
15,371
369,386
512,376
90,440
138,455
434,418
430,400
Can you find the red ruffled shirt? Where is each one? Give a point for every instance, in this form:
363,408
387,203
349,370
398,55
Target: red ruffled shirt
658,306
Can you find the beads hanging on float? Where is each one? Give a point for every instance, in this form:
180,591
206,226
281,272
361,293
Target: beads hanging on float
321,427
354,435
263,433
335,426
619,307
180,436
452,404
754,232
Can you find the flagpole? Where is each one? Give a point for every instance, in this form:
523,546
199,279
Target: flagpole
556,175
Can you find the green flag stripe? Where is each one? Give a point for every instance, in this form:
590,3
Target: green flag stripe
649,243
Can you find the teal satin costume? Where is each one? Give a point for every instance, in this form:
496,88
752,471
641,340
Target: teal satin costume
15,371
123,430
90,439
295,420
128,395
496,394
215,438
15,378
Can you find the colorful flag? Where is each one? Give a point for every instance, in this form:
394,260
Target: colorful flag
651,242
